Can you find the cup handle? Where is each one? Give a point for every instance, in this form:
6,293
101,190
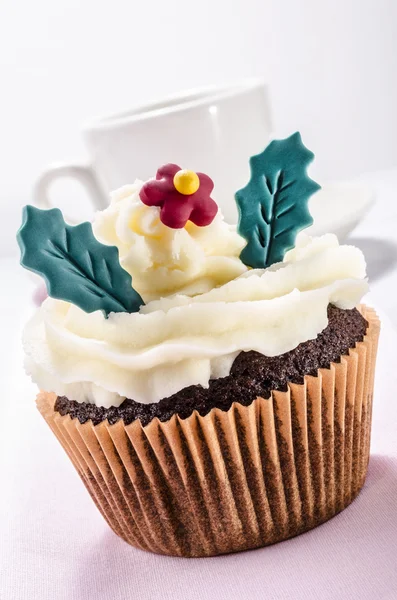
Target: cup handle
85,174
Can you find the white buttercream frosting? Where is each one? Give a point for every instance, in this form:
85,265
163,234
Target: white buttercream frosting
183,340
164,261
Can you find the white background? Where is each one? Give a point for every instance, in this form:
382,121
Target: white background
331,64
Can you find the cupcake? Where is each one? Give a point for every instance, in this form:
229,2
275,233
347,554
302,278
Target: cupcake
212,384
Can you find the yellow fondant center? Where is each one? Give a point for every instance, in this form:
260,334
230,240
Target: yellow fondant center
186,182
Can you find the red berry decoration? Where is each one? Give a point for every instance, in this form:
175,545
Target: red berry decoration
182,195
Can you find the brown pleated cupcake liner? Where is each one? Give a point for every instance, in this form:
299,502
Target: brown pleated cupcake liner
230,481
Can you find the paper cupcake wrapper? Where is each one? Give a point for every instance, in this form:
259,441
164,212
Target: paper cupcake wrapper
233,480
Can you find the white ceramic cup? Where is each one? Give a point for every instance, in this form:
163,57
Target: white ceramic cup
214,130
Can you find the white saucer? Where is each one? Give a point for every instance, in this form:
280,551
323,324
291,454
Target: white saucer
339,207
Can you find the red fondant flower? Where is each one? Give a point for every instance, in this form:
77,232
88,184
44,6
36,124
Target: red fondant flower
177,208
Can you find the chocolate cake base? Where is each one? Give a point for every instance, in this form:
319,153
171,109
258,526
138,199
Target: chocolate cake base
252,375
242,478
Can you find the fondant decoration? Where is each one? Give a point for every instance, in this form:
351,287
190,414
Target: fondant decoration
273,206
186,182
76,267
182,196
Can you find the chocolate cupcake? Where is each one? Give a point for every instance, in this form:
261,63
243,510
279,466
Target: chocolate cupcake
212,385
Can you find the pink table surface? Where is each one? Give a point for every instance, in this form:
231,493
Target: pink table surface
54,545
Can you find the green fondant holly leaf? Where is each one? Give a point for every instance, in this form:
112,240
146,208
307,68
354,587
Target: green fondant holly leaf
75,265
273,207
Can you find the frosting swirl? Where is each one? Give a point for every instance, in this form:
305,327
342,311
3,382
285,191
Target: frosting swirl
178,341
164,261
